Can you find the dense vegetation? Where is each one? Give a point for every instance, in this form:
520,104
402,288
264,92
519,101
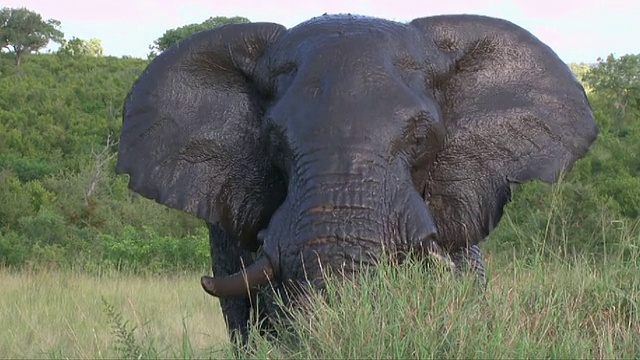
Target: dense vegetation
60,202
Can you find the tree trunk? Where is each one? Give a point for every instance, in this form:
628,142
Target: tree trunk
18,58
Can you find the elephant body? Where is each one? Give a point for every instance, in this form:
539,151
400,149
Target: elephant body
330,144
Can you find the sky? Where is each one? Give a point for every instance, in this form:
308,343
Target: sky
578,31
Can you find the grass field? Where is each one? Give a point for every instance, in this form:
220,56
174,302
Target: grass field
547,302
64,314
555,309
558,308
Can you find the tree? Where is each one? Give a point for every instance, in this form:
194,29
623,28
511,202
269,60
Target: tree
101,161
79,47
23,31
172,36
580,69
618,79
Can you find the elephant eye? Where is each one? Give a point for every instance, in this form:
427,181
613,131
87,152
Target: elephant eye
283,75
288,68
277,147
421,141
425,151
422,138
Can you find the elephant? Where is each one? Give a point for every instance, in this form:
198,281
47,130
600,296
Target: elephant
346,138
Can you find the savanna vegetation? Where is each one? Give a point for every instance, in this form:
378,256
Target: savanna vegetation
75,243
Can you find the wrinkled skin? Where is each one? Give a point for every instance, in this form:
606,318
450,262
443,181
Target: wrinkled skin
345,138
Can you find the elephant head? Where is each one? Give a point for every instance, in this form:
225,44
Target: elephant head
344,138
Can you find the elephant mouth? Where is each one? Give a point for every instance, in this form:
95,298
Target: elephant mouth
240,284
261,273
431,249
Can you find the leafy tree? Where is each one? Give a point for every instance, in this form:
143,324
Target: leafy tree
618,79
172,36
23,31
580,70
80,47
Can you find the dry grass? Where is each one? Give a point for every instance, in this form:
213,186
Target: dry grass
547,304
545,308
62,314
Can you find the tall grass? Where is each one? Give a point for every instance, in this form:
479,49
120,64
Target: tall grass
555,291
557,309
67,314
561,308
547,297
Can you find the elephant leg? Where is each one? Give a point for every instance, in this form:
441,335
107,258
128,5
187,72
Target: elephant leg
470,259
228,257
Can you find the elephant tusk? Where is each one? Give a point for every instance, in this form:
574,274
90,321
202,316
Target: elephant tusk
241,283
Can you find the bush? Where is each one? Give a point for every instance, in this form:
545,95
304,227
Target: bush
147,250
26,169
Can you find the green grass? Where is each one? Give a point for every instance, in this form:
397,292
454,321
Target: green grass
555,309
558,308
545,299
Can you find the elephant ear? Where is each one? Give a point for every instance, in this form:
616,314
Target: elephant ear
513,111
191,130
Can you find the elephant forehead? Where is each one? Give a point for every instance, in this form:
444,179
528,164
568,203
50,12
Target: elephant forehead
340,26
335,38
377,116
361,79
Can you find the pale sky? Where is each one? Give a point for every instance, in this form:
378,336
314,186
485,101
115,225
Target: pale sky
579,31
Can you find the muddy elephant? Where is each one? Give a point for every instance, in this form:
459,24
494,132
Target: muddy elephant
344,138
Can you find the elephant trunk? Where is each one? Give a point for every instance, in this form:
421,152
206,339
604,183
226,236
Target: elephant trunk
336,217
347,218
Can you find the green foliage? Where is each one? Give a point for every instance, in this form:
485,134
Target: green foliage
618,81
126,344
173,36
23,31
57,110
147,250
79,47
26,168
60,201
580,70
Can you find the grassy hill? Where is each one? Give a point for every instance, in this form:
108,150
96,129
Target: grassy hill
60,202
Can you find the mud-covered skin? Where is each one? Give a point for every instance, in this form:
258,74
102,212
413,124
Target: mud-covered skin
326,145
